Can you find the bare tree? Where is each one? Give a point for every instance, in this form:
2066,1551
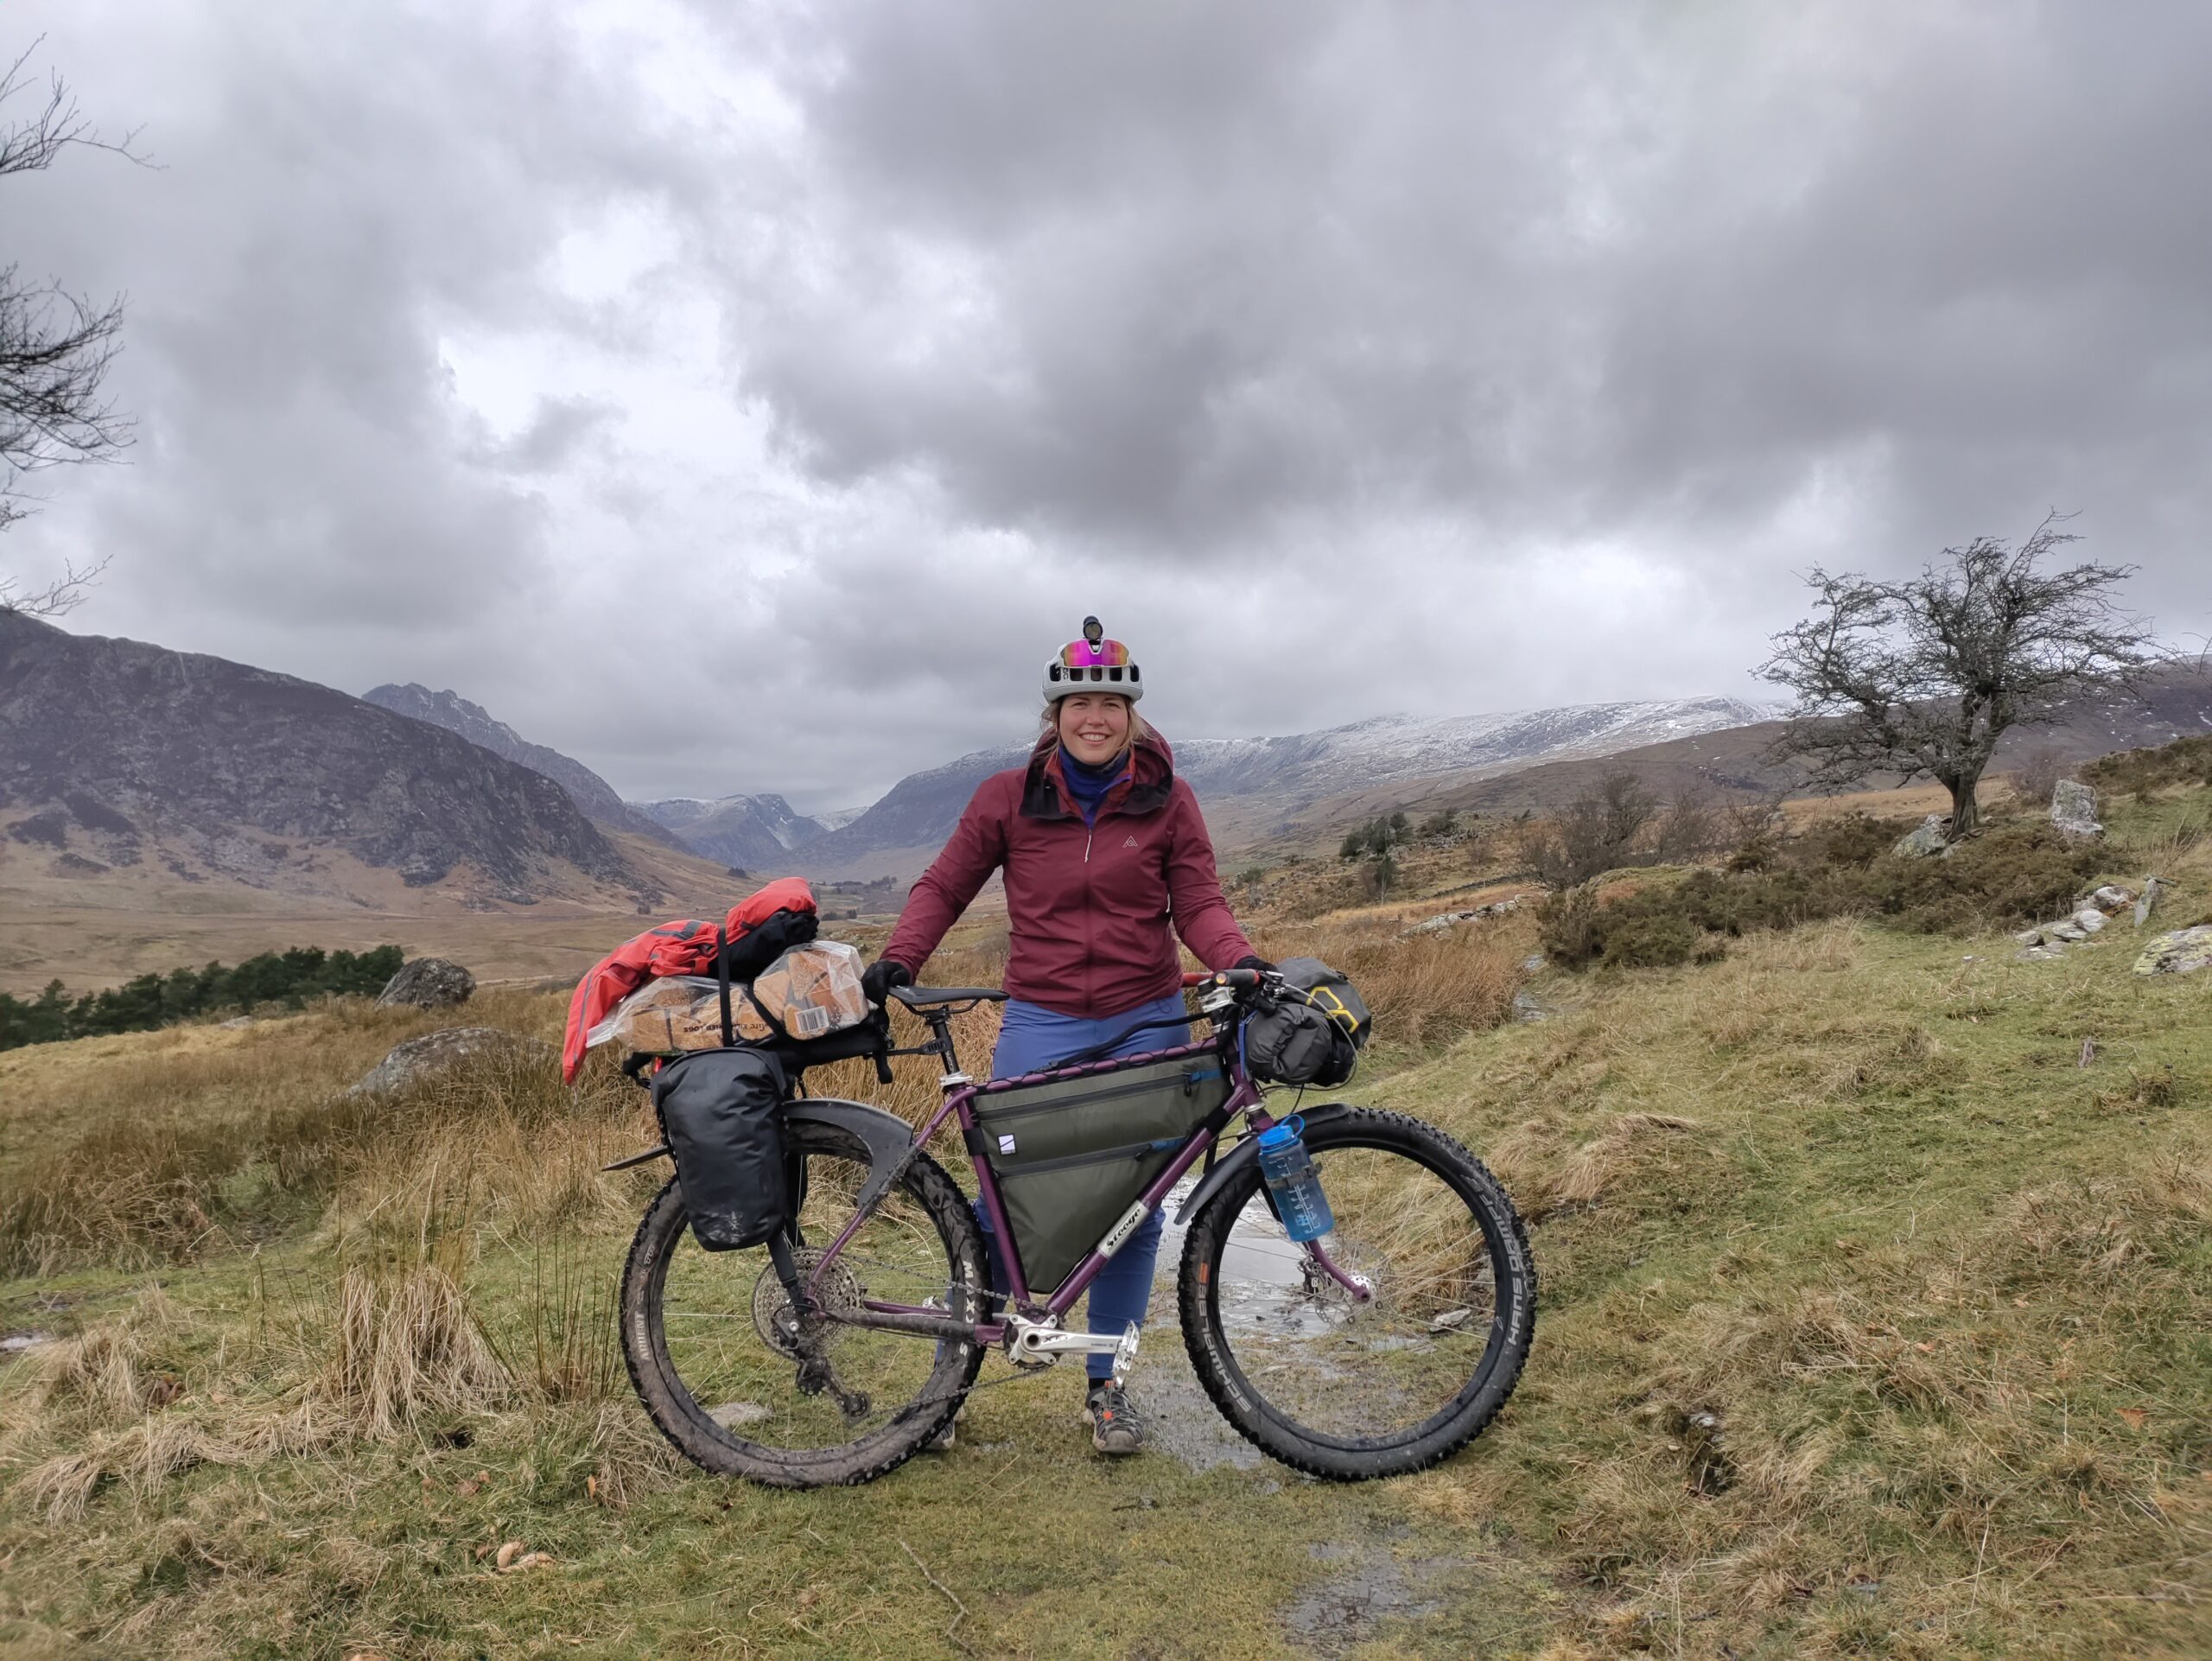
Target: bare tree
1922,677
1594,833
56,347
1692,826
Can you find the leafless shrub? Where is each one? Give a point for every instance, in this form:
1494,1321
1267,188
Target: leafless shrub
2036,780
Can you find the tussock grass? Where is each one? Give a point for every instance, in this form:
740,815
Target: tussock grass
408,1347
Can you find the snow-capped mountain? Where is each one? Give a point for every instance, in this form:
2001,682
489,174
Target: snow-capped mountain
1387,748
745,831
1287,772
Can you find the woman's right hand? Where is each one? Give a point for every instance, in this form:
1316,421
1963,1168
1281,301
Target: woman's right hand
879,976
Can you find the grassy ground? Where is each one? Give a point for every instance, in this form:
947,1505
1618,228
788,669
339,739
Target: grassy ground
1874,1322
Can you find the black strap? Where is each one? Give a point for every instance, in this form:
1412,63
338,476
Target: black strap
722,983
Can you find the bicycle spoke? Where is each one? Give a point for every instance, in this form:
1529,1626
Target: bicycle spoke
732,1341
1335,1365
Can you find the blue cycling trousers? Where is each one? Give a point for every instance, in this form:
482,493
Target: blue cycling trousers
1031,1037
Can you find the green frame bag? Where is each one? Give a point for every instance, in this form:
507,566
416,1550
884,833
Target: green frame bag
1069,1155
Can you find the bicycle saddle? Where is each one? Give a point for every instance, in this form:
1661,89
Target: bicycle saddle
928,997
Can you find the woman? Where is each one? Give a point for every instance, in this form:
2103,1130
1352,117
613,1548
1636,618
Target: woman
1104,854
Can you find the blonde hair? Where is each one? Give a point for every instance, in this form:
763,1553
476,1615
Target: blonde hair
1137,727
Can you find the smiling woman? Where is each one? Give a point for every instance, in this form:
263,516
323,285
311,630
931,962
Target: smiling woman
1107,861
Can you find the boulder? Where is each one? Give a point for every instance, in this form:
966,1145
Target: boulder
2069,932
2029,936
428,984
2113,897
2089,919
1449,920
2151,888
2181,952
1928,839
2074,809
421,1058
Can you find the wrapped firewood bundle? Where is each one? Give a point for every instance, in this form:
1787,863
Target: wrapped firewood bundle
813,990
682,1012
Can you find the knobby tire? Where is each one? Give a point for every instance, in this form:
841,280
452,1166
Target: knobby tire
1212,1353
708,1444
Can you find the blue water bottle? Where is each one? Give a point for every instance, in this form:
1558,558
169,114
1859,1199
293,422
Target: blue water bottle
1292,1181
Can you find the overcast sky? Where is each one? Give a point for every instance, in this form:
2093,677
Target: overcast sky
752,397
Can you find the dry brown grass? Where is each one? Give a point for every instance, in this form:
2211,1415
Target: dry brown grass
408,1346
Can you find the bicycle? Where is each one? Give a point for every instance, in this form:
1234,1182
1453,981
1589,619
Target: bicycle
1379,1349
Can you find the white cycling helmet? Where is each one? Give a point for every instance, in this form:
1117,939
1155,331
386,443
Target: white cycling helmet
1093,664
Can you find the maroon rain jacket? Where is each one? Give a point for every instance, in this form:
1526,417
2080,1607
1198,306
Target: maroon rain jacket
1090,907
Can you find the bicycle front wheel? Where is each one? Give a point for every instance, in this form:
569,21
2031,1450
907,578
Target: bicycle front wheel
1351,1388
730,1377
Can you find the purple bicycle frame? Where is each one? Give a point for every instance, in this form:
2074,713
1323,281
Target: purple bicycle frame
1244,1096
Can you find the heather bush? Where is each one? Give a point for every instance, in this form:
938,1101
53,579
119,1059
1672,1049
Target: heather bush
1839,869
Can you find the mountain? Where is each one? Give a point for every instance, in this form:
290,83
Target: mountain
473,721
1253,787
2172,703
115,752
748,832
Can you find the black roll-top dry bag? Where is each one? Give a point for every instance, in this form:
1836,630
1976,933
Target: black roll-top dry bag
1313,1032
722,1113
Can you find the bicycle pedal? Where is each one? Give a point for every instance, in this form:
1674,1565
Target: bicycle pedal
1125,1355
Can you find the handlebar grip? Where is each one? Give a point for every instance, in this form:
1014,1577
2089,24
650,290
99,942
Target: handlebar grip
1242,979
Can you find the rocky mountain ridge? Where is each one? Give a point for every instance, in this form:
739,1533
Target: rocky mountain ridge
113,751
473,721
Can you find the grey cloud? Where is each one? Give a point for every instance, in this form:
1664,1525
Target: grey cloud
560,427
1597,271
1443,358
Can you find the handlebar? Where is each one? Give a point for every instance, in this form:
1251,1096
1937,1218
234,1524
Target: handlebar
1242,980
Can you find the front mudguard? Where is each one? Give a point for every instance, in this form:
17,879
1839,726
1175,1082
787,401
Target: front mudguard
1244,1153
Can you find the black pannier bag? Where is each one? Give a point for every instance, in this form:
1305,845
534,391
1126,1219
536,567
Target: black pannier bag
1071,1155
1313,1032
722,1113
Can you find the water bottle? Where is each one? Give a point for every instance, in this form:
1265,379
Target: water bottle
1292,1181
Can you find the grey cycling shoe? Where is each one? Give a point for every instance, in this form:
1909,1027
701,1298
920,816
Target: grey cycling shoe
1116,1428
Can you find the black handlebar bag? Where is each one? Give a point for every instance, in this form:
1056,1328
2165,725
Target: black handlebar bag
722,1114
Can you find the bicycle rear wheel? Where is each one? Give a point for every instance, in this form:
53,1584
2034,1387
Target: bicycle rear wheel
716,1356
1340,1387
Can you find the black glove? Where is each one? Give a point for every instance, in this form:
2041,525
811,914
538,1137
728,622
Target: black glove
1260,964
879,976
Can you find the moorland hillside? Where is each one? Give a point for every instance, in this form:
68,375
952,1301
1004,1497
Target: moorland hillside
1874,1251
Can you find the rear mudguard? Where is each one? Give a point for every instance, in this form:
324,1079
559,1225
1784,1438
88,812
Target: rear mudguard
887,1137
1244,1155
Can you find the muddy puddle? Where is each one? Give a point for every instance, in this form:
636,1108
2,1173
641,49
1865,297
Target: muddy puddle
1368,1588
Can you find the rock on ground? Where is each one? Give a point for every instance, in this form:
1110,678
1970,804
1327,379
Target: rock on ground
419,1058
428,984
2181,953
1928,839
2074,809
